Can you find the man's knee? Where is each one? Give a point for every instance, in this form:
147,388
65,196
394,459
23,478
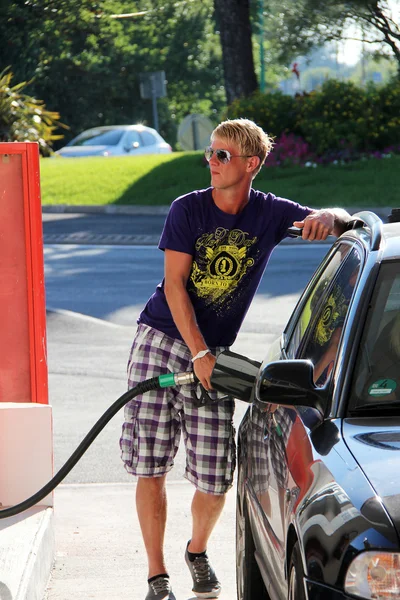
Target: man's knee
209,498
152,484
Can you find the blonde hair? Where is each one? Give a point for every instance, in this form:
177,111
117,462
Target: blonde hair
248,136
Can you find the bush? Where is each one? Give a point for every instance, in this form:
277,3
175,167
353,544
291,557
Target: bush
24,118
275,112
386,102
338,122
328,118
289,150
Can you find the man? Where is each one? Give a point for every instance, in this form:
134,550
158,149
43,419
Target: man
217,243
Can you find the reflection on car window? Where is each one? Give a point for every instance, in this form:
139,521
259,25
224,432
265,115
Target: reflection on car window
312,302
323,339
148,138
132,139
377,374
98,138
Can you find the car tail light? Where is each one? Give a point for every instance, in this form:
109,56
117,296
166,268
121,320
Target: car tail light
374,575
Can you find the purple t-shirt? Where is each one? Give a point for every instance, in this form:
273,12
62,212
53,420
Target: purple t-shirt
230,253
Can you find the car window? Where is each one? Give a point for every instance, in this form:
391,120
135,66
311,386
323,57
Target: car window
376,380
132,139
98,138
148,138
311,303
322,339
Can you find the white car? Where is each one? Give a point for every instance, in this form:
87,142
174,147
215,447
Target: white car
116,140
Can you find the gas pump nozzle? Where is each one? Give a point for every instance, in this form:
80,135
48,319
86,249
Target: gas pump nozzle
234,375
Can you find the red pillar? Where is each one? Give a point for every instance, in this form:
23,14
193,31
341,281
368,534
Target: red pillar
23,360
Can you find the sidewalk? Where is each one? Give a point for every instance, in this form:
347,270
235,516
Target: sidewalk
100,553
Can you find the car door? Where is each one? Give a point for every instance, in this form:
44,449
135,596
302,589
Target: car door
281,456
150,144
132,143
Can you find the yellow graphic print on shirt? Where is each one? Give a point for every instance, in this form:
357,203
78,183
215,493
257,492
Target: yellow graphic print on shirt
221,264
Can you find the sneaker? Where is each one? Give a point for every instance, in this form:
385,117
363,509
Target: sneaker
160,589
205,582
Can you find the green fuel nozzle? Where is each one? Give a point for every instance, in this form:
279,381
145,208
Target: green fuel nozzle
171,379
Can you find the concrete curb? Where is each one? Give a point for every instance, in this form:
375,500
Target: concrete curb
40,561
27,552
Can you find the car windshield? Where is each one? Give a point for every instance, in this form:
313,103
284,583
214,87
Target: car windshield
97,137
376,381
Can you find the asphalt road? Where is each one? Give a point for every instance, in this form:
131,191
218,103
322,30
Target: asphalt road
139,225
102,228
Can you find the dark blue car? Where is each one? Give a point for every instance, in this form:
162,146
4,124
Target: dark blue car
318,511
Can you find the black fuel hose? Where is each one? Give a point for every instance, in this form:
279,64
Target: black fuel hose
148,385
233,374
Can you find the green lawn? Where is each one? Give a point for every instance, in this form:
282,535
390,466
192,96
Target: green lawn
158,179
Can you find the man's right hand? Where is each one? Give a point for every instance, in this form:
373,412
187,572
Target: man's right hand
203,368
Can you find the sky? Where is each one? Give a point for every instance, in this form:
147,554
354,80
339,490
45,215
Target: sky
349,52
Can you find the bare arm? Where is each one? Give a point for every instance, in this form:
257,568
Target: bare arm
321,223
177,269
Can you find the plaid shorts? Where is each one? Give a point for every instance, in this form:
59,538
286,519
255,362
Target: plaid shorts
154,421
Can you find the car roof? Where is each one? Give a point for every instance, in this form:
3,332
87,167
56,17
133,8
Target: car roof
137,127
391,236
375,235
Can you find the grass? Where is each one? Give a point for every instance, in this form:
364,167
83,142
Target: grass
158,179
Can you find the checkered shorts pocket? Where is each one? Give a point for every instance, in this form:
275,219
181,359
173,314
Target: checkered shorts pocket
129,439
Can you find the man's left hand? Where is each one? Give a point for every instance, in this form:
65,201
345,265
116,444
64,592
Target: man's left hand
317,225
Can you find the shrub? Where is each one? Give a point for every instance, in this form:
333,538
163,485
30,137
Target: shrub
338,122
275,112
24,118
289,150
386,103
333,117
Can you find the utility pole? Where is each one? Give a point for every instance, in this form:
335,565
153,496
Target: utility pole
261,43
153,86
363,61
154,101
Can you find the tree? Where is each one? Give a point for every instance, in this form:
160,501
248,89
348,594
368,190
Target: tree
301,25
233,22
377,23
86,64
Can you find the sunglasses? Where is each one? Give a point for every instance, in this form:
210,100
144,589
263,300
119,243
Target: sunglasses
223,156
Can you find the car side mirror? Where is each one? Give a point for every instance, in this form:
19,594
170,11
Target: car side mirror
289,383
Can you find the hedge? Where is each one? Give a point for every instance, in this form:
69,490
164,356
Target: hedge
339,120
